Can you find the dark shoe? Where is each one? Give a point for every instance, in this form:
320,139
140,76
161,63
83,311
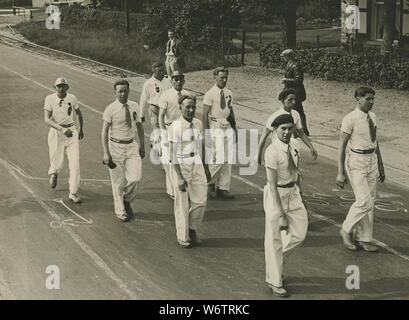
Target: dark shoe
347,238
128,208
194,237
211,190
224,194
185,244
123,218
53,180
279,291
367,246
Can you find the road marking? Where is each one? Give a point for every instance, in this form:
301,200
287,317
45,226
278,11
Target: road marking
61,201
77,239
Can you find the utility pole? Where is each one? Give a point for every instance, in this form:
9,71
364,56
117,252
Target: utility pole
127,18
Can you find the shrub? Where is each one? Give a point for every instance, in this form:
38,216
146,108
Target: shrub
369,68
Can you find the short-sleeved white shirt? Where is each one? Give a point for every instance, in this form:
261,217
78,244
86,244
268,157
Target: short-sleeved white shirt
356,124
60,107
212,98
187,140
293,113
152,90
276,158
115,115
169,101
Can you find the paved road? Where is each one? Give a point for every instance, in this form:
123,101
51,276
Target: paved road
100,258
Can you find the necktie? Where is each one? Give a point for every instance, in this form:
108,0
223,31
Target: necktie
291,164
222,100
192,133
372,129
127,115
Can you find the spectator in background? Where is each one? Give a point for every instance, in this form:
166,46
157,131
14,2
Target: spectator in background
175,55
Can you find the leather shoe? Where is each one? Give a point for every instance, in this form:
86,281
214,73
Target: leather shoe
74,198
279,291
367,246
185,244
346,237
53,180
194,237
224,194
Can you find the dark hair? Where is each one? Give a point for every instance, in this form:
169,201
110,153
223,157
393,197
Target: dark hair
220,69
121,82
183,97
171,30
362,91
282,119
285,93
157,65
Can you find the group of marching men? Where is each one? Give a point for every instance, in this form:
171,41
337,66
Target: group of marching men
193,174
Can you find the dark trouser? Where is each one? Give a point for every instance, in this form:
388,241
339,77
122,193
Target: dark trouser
300,109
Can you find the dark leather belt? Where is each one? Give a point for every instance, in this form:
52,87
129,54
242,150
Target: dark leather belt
121,141
288,185
368,151
67,125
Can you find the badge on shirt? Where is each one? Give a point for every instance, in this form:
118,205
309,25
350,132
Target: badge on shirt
134,116
69,111
228,99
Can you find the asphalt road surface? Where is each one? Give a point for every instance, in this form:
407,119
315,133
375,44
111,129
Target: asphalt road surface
101,258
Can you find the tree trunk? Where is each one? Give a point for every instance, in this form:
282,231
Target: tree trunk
289,16
389,19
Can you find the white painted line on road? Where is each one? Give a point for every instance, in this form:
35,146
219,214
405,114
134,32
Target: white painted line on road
329,220
61,201
86,248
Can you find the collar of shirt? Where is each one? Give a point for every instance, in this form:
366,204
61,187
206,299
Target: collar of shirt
282,146
362,114
218,89
175,92
283,109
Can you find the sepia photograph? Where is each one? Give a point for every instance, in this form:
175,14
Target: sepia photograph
202,155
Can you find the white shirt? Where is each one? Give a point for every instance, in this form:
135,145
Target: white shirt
151,92
352,21
60,107
186,139
169,101
115,115
356,124
212,98
276,158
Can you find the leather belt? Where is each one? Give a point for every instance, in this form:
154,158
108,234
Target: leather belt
288,185
121,141
183,156
368,151
67,125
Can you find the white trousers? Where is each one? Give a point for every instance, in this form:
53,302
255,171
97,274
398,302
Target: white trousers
170,64
127,175
362,170
278,245
196,193
223,152
57,144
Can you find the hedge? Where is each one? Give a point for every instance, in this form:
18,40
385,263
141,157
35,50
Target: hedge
368,68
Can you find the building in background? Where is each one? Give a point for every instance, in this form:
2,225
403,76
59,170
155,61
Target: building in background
43,3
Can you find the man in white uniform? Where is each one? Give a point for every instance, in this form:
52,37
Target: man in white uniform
62,114
190,174
151,92
218,116
288,99
122,153
169,111
364,167
286,216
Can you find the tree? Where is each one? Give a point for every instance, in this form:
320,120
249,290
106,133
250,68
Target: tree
389,20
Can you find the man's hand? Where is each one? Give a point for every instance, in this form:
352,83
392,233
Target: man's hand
182,184
142,151
341,180
283,223
80,135
68,133
314,153
381,177
106,158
